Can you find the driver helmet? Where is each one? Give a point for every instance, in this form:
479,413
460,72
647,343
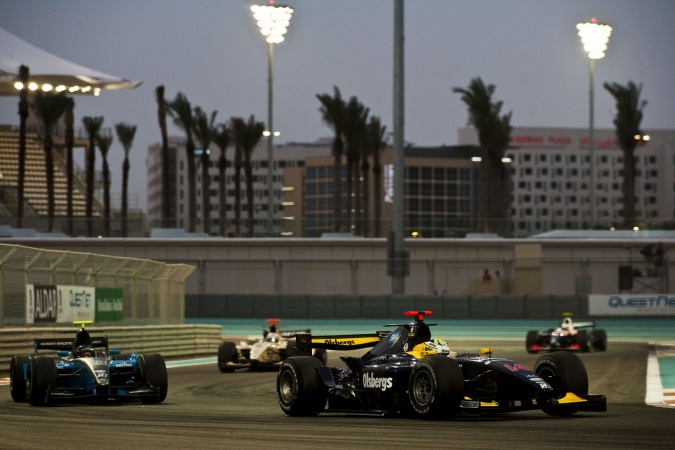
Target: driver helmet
84,351
440,346
566,324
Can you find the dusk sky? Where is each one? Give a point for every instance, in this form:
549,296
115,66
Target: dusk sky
212,51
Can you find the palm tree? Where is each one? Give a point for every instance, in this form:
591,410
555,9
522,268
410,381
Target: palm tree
49,107
104,143
356,117
629,109
494,134
23,117
181,112
222,138
161,116
93,127
376,142
252,134
238,126
333,114
126,134
204,129
69,121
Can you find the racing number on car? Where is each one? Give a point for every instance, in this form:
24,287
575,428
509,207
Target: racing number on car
515,367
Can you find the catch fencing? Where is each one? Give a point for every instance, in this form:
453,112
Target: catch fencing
153,292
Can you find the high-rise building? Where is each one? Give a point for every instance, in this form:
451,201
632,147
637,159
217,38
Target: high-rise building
550,176
285,156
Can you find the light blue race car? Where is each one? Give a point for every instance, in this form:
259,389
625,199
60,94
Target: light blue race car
86,370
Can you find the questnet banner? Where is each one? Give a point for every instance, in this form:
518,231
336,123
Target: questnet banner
48,303
632,305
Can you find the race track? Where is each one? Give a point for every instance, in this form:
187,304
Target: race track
209,409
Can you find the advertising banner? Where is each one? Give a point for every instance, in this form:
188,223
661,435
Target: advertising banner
109,304
48,303
632,305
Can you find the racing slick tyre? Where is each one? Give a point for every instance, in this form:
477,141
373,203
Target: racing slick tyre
599,340
17,383
583,340
565,372
227,353
322,355
152,370
41,374
436,387
300,391
531,340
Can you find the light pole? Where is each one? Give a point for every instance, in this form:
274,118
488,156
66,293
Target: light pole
273,21
594,37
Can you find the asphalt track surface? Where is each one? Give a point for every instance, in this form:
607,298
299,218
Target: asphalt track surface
208,409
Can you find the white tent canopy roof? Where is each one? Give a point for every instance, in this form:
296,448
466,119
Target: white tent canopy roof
47,69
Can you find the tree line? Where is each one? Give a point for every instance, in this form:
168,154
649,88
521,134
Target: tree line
358,141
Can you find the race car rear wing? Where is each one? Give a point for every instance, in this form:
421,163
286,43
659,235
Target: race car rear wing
67,344
292,333
305,342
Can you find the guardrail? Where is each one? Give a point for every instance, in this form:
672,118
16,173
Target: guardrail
171,341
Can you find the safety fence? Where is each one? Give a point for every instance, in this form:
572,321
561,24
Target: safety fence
151,292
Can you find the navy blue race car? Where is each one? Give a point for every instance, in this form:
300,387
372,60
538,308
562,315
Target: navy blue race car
407,372
85,370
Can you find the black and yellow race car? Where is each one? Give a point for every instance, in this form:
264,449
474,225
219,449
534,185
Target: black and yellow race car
407,372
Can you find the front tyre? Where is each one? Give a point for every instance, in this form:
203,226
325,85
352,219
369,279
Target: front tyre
436,387
153,372
227,354
565,372
599,340
17,382
300,391
41,374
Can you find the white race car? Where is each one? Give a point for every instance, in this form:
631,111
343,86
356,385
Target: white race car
257,352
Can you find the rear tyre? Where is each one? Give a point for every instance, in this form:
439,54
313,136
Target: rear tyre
290,349
153,372
41,374
17,382
583,340
531,340
565,372
436,387
322,355
300,391
227,353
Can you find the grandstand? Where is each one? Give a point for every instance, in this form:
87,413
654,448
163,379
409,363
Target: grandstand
35,187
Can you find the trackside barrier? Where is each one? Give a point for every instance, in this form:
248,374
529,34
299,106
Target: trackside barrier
171,341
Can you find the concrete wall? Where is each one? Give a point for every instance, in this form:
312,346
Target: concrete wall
350,307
